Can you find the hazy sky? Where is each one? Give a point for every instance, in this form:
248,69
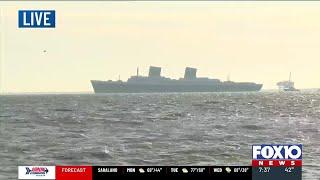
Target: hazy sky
252,41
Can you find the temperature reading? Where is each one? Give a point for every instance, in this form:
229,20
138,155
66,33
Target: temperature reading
289,169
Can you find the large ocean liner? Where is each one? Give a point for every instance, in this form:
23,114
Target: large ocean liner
154,82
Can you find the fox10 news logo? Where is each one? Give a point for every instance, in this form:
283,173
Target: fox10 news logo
37,18
267,155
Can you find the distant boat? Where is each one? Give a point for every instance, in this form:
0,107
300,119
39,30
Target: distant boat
287,85
157,83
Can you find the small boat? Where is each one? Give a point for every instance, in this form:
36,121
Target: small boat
287,85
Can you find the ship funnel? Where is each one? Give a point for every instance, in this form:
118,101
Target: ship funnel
154,71
190,73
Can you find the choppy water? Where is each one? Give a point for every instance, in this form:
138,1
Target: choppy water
155,129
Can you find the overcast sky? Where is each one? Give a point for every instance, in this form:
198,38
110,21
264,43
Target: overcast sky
252,41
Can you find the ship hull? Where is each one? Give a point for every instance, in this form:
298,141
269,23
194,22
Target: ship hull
124,87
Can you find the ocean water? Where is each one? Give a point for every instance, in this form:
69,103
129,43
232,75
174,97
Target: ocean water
155,129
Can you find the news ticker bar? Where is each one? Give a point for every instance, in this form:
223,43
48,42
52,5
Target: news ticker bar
215,171
102,172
